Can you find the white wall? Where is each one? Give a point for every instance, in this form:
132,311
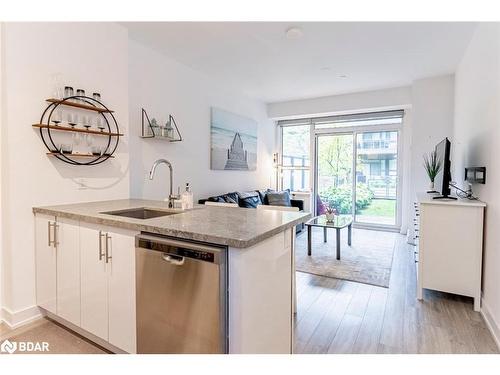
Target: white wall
33,52
163,86
477,143
392,98
432,121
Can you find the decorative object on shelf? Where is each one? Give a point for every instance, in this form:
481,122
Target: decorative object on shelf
330,213
432,166
151,128
234,142
81,150
475,175
68,92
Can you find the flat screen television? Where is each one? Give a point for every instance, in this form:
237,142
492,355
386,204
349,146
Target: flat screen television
443,178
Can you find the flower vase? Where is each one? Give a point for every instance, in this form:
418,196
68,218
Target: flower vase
330,217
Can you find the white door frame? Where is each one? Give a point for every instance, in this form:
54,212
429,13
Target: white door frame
355,130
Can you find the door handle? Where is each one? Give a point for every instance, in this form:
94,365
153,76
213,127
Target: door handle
108,257
174,260
101,254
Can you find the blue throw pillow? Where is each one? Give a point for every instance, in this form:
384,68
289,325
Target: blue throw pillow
281,198
250,199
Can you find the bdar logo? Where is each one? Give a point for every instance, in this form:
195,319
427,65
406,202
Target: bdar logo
8,347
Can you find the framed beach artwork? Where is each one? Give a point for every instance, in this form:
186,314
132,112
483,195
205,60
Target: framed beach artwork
234,142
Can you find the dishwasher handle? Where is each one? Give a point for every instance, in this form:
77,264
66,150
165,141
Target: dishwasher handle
173,259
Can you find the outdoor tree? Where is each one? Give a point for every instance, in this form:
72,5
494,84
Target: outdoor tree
335,158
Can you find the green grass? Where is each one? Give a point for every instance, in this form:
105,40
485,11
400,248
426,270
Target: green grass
380,207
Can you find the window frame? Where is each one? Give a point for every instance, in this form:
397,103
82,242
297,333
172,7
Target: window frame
300,169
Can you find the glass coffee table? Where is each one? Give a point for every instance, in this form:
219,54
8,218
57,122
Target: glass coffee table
339,222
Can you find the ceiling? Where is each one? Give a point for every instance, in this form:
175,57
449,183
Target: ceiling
330,58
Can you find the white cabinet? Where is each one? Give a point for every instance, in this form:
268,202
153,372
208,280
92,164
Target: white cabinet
108,284
94,280
121,290
260,297
450,246
58,267
66,233
46,263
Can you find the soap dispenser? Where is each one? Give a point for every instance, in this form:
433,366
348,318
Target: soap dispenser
187,198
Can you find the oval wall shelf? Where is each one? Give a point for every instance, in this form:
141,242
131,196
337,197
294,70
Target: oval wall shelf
111,130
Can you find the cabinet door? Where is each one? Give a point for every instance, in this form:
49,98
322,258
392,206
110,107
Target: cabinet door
94,282
45,254
121,292
68,270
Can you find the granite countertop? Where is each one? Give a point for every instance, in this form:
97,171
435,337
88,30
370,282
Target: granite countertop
235,227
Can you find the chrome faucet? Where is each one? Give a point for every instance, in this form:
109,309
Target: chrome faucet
171,196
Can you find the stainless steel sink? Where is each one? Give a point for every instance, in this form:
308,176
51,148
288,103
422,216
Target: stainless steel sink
140,213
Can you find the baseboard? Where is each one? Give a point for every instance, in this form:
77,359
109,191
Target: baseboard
18,318
490,322
80,331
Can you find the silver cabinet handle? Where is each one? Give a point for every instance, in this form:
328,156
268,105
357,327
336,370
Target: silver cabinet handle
108,257
49,224
101,254
56,234
52,242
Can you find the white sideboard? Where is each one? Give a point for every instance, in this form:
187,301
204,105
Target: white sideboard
449,246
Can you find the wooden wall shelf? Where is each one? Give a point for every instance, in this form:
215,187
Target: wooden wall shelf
78,105
76,130
78,155
47,129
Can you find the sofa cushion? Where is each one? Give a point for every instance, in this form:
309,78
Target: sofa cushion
232,197
249,199
281,198
225,198
262,195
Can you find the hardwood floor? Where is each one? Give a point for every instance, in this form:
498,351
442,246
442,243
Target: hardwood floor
339,316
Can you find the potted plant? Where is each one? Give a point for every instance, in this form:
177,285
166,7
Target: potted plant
330,213
432,165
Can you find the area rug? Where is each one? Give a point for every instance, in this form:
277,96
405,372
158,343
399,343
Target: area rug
368,260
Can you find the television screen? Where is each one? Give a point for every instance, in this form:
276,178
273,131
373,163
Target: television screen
443,178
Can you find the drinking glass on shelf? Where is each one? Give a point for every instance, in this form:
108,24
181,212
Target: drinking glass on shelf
57,117
96,150
85,121
97,96
72,119
100,123
81,92
76,137
67,148
68,91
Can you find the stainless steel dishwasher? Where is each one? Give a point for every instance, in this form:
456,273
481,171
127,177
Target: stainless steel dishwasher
181,296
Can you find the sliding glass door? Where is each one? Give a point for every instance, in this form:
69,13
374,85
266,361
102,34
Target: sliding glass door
335,177
357,173
376,177
355,164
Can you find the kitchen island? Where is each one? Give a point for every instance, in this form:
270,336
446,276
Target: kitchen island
98,275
